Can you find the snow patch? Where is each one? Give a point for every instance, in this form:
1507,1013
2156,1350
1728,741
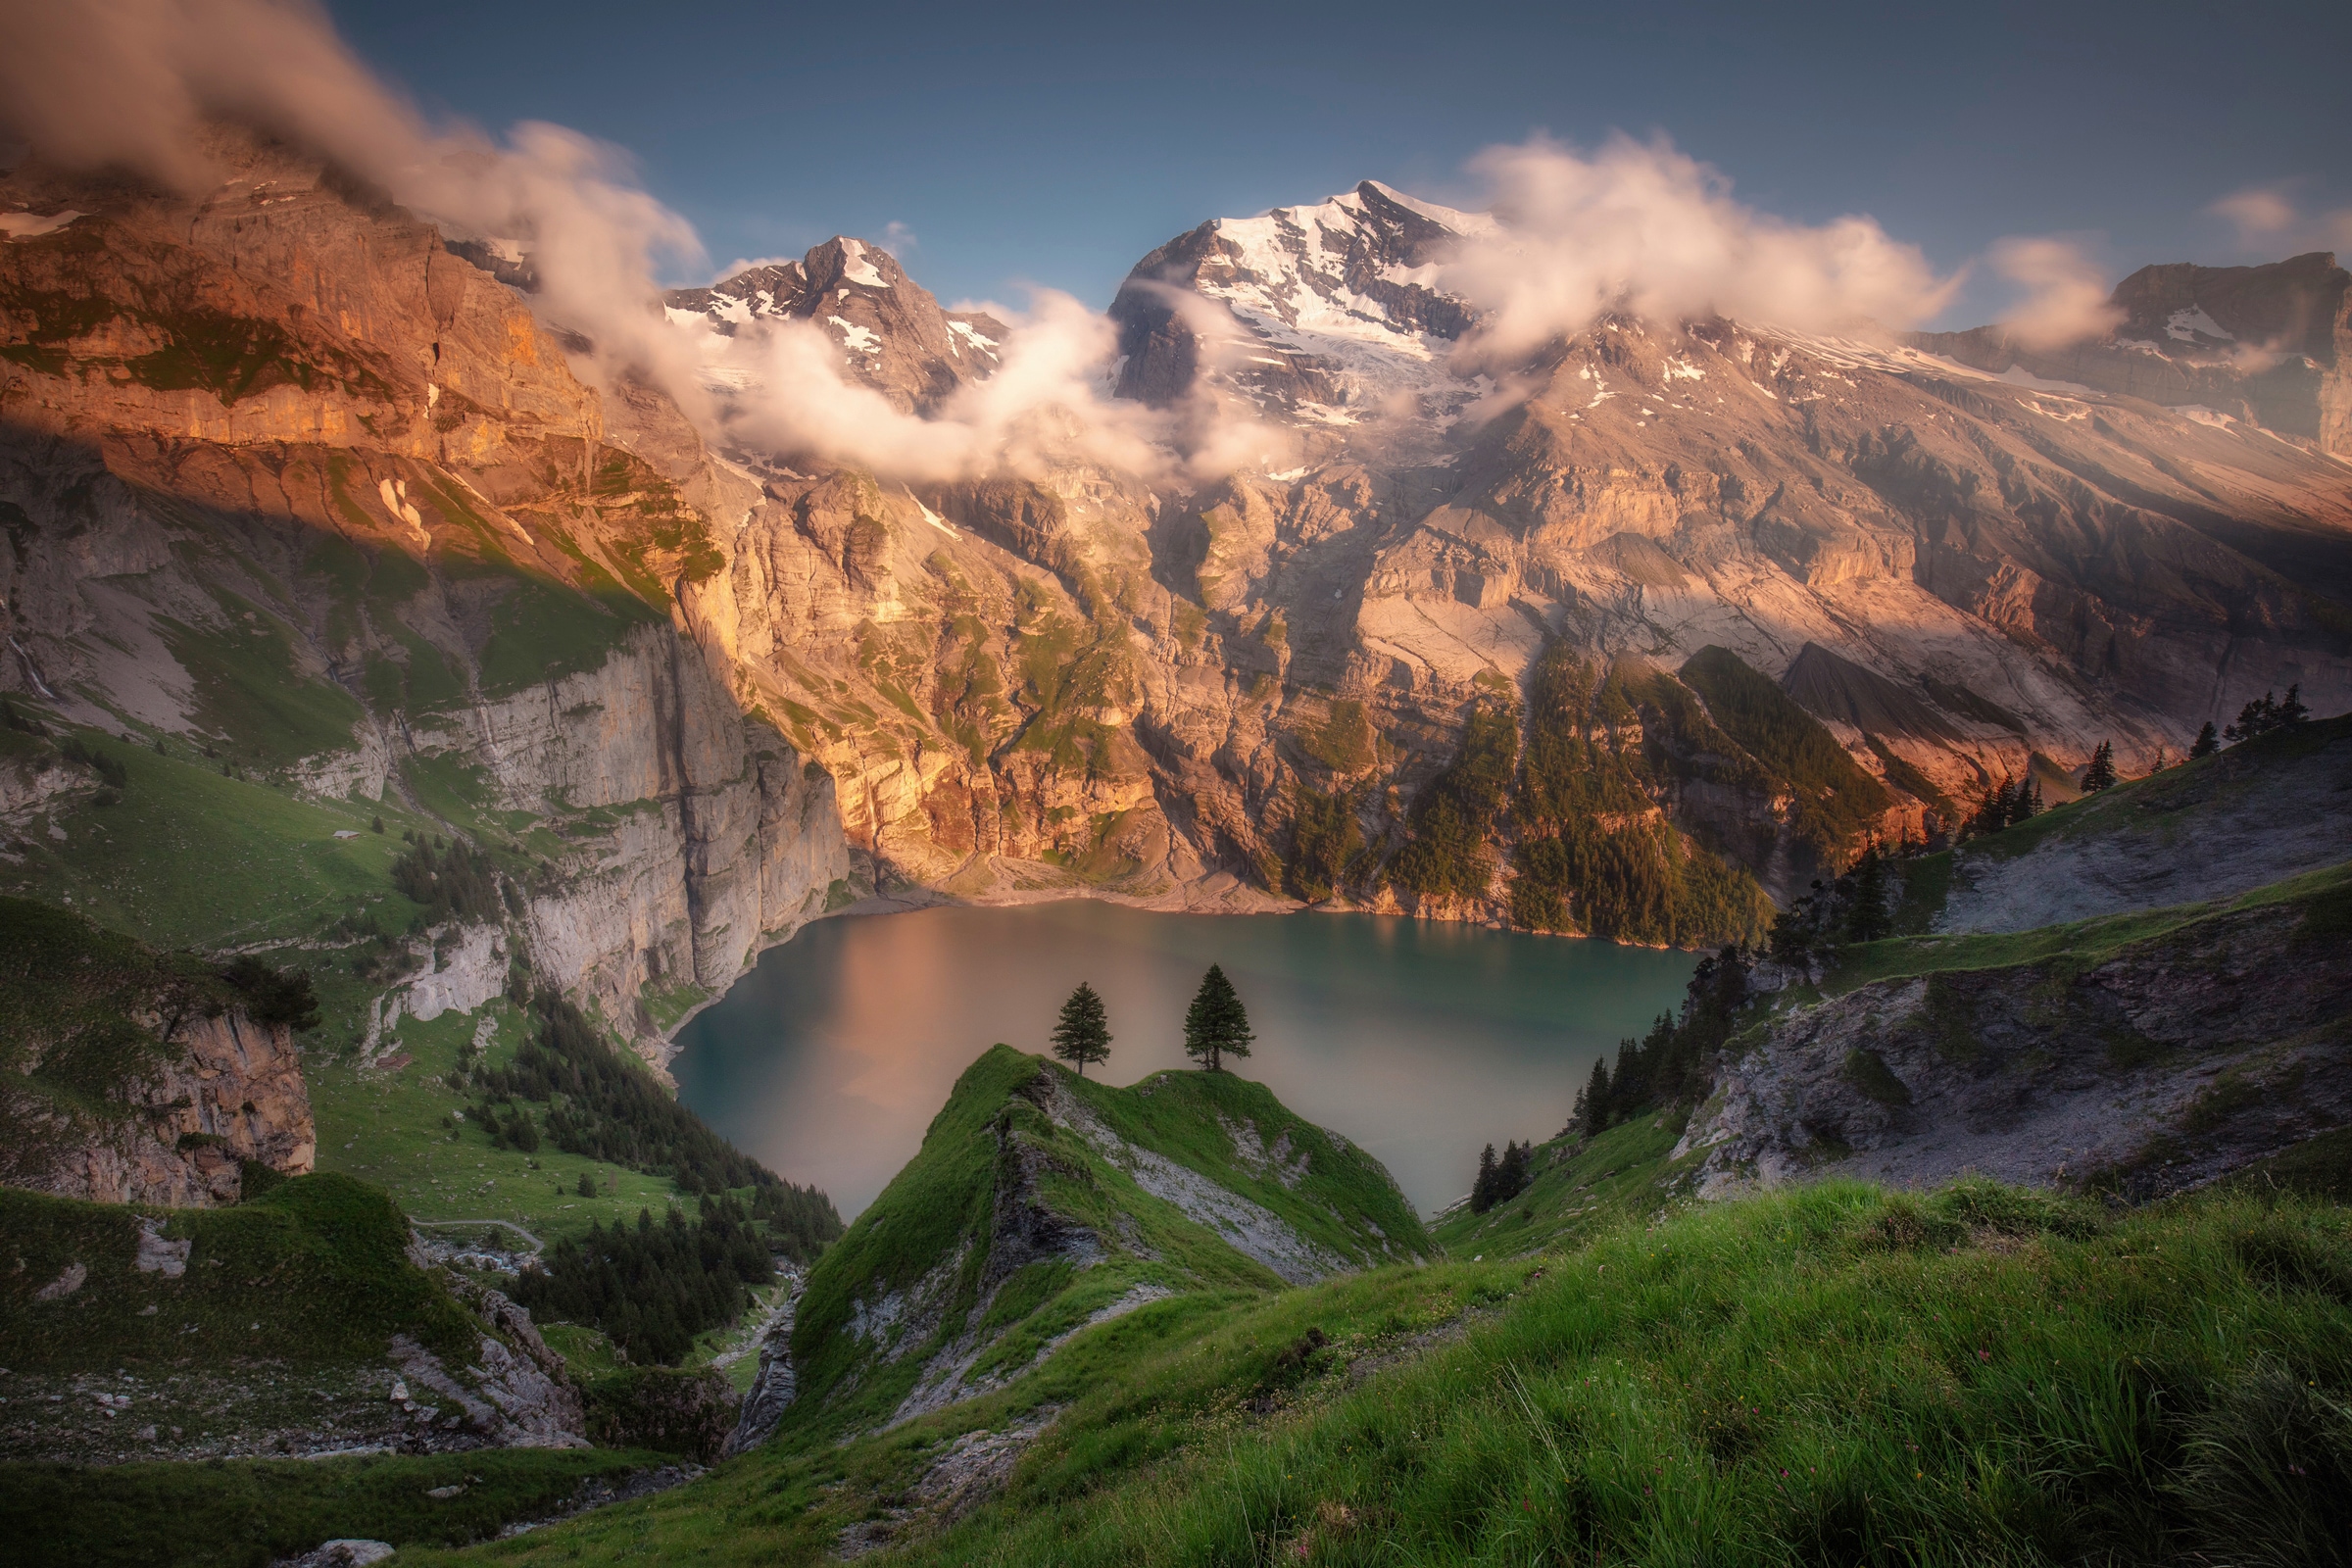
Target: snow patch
2192,323
30,226
858,339
2016,375
857,270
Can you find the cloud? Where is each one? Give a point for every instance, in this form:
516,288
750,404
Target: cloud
1047,405
2067,296
2270,223
1645,228
140,84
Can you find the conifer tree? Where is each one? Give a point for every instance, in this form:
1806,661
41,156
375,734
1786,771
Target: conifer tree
1593,1105
1482,1189
2206,744
2160,764
1084,1033
1215,1025
2100,774
1511,1175
1866,916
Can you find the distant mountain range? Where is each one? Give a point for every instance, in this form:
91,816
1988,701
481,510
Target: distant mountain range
292,478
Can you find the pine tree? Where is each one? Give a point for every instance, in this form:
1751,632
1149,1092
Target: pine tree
1866,916
1511,1175
1084,1033
2100,774
2206,744
2292,711
1594,1103
2160,764
1215,1025
2257,718
587,1186
1482,1189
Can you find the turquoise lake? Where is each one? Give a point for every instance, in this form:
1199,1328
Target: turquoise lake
1419,1040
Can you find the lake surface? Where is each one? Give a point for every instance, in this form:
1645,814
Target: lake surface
1419,1040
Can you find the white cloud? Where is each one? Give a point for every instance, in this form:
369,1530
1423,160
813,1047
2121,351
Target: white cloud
1645,228
2066,294
2270,224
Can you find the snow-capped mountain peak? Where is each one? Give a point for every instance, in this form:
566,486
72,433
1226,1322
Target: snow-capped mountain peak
1323,313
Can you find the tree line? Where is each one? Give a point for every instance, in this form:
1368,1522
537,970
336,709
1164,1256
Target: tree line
654,1288
604,1108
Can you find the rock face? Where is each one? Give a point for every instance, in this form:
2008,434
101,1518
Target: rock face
2173,1062
237,1094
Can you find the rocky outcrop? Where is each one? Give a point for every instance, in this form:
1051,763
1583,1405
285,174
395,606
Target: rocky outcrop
186,1126
129,1076
772,1387
2146,1070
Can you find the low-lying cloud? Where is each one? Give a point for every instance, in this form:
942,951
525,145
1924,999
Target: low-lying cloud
2064,298
1643,228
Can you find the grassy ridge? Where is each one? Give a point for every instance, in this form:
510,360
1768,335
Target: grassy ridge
2321,892
927,1240
1582,1188
1839,1374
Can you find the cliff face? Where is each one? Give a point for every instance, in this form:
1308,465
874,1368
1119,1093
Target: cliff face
291,484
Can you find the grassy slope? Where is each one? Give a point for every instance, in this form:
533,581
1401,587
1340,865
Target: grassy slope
1582,1188
247,1513
313,1271
1835,1374
946,1195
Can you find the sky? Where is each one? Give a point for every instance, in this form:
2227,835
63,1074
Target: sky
1000,147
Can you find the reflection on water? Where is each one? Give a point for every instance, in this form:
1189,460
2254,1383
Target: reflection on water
1420,1042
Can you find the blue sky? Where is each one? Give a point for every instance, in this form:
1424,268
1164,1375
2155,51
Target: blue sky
1055,144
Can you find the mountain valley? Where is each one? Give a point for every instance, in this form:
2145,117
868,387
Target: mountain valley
416,710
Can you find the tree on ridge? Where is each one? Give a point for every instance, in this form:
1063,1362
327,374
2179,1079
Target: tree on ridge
2206,744
1084,1033
1215,1025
